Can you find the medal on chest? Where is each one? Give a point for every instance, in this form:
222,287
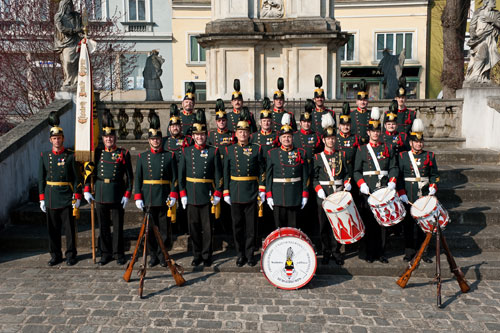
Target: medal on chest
310,140
225,141
269,141
418,162
347,143
247,151
204,153
61,161
179,142
292,157
380,155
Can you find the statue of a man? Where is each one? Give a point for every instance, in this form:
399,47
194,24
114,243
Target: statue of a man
152,73
272,9
392,67
484,29
68,25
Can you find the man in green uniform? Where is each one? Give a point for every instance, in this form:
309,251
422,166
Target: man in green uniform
200,184
237,103
58,184
375,166
418,177
188,108
279,108
113,188
395,140
221,136
266,136
346,141
287,178
361,116
156,189
331,174
320,108
244,179
405,115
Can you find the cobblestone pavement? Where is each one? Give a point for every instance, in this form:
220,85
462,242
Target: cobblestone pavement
86,299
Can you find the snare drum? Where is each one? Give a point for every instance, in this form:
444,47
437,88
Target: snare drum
386,207
344,217
426,209
288,260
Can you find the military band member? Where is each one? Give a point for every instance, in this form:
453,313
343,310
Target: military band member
331,174
307,138
405,115
200,184
286,178
58,184
361,116
320,108
156,189
279,108
113,188
237,103
266,137
395,140
375,166
221,136
175,140
244,182
419,177
346,140
187,114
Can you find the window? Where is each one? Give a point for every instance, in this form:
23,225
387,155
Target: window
196,52
132,66
137,10
201,90
95,9
395,43
346,52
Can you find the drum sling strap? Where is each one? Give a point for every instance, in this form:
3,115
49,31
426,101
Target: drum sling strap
329,171
375,162
421,184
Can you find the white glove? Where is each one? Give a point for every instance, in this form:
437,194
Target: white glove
404,198
391,185
432,190
42,206
262,196
321,194
304,202
364,189
216,200
124,202
139,204
184,202
77,204
227,199
270,203
347,187
172,201
88,196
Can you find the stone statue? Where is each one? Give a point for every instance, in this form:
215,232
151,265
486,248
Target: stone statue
68,24
272,9
152,73
484,29
392,67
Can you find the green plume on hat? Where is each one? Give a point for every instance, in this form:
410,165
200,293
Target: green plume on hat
236,85
266,104
362,85
53,119
318,81
190,88
219,105
346,109
154,121
281,83
309,106
174,110
199,117
393,108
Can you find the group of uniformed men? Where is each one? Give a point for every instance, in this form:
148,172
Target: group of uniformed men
291,170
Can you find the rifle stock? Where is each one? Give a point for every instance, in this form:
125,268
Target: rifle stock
179,280
403,280
462,282
142,272
438,263
130,266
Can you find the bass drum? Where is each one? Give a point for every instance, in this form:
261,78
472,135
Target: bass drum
288,260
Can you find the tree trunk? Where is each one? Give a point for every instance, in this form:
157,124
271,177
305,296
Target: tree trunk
454,22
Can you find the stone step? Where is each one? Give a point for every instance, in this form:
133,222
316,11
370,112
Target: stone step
451,195
455,174
439,143
466,156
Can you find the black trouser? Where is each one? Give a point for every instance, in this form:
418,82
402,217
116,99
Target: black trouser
158,217
110,214
180,227
200,230
244,226
306,223
285,216
55,219
374,234
409,225
328,242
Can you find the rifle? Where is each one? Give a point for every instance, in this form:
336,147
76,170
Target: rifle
403,280
462,282
130,266
174,268
438,263
142,270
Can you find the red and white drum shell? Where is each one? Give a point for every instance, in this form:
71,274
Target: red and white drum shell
288,259
386,207
426,210
347,225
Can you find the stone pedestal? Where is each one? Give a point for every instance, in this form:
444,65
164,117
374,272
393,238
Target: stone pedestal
481,117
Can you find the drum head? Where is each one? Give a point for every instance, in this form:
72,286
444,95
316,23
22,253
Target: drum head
423,206
337,200
289,262
381,196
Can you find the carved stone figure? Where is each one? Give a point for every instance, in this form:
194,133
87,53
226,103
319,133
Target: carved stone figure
272,9
152,73
484,29
68,29
392,67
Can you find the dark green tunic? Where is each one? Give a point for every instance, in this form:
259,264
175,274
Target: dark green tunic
220,139
396,141
266,140
234,117
338,164
316,119
405,120
277,120
364,163
187,122
348,144
426,163
176,144
359,125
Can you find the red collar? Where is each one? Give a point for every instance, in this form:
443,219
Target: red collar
391,134
361,110
236,111
345,135
200,147
278,111
402,110
264,132
374,145
186,113
415,153
58,152
156,151
223,131
287,149
329,153
305,132
320,109
110,150
243,145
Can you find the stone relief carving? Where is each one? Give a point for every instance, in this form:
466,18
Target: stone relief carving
272,9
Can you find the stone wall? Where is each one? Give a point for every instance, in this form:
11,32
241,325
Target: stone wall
20,154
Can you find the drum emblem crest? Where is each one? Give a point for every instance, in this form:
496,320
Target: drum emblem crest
289,270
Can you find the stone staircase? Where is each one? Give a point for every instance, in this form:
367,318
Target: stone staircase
469,190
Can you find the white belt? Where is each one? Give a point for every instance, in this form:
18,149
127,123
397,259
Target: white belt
417,179
287,180
329,182
375,173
